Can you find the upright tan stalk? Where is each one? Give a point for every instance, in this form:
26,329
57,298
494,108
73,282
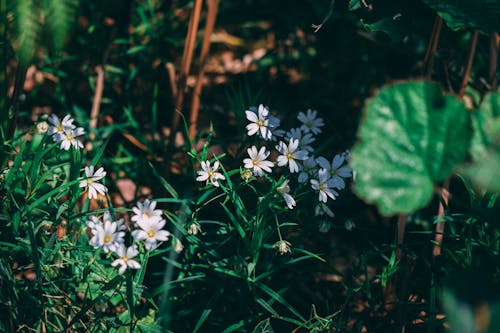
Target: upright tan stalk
470,61
187,58
96,104
438,237
212,8
432,47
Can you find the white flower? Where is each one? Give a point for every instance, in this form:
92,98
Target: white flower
284,189
107,234
324,184
283,246
305,139
42,127
290,154
257,161
336,170
151,232
58,126
125,258
90,183
145,211
178,247
310,121
210,173
194,228
261,122
68,138
308,169
322,209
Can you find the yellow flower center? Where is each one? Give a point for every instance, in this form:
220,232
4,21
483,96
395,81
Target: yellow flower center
260,123
60,128
289,156
255,162
89,181
69,137
107,239
151,233
211,173
125,259
147,214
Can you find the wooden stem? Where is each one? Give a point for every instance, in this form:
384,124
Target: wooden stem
187,57
432,47
96,104
470,61
212,8
438,237
492,71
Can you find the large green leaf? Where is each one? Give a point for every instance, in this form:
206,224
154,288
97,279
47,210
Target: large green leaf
485,148
479,14
412,136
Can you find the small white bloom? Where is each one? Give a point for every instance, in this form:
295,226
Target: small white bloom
91,184
259,122
290,155
310,121
337,171
283,246
107,234
305,138
349,225
209,173
58,126
125,258
324,185
284,189
151,232
257,161
68,138
42,127
194,228
322,209
178,247
145,211
307,170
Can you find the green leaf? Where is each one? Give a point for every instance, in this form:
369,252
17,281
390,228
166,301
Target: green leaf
460,314
60,18
263,327
479,14
412,136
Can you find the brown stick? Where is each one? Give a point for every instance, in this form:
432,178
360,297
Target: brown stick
401,234
432,47
96,104
470,60
187,57
171,77
438,237
402,273
212,8
492,71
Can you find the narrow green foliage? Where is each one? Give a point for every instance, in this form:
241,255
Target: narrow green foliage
59,19
28,28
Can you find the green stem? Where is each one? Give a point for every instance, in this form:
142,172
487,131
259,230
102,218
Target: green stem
3,80
130,298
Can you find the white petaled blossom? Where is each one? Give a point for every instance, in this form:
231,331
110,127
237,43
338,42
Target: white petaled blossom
58,126
283,246
310,121
305,139
322,209
261,122
91,184
257,161
290,155
107,234
337,171
145,211
42,127
284,190
209,173
68,138
125,259
151,231
307,170
194,229
324,185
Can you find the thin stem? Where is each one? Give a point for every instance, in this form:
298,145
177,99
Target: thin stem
401,233
492,71
130,298
212,8
470,61
96,104
441,212
187,57
432,47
